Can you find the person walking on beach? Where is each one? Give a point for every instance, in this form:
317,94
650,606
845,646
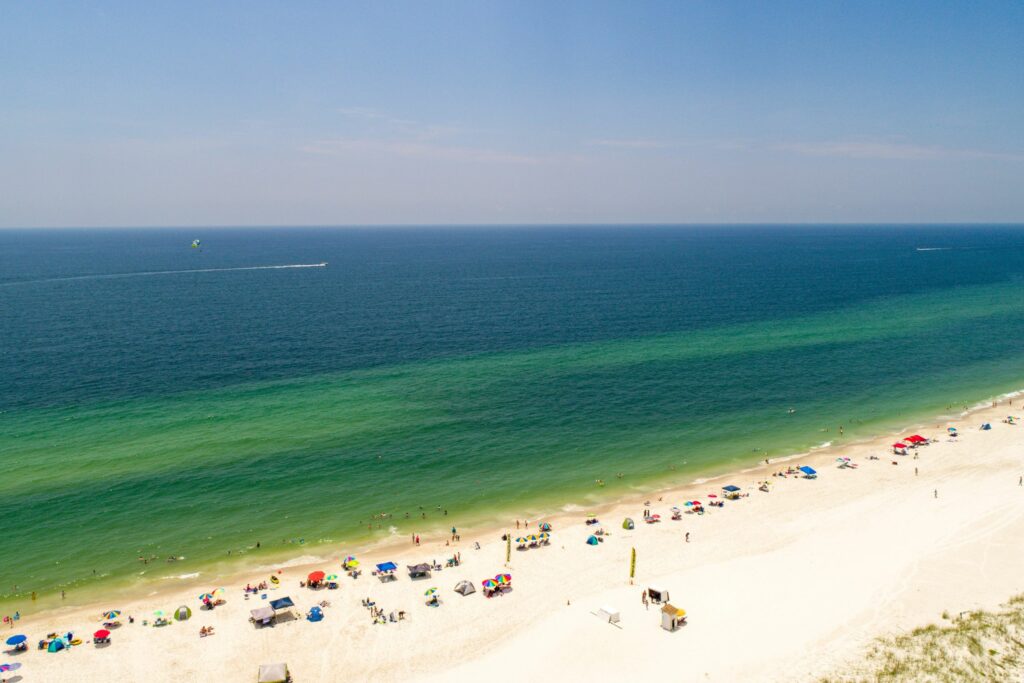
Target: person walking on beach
687,536
1020,482
915,471
936,493
643,599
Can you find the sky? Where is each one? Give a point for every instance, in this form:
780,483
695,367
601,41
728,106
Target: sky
342,113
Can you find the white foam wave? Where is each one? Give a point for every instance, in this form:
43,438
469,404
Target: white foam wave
193,575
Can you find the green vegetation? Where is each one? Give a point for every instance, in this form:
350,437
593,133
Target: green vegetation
975,646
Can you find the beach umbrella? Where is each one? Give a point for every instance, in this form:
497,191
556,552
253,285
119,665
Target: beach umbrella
532,538
352,564
331,577
101,634
430,591
545,536
712,495
159,614
205,596
111,615
218,592
488,583
316,576
10,667
16,640
521,540
182,613
545,526
503,578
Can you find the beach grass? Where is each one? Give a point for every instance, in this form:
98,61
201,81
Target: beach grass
971,646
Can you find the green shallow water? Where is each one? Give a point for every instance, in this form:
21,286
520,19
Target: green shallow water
100,473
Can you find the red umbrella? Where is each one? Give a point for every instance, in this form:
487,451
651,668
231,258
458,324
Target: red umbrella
316,576
697,503
101,634
899,445
712,495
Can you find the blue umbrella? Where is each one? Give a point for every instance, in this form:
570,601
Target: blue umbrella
16,640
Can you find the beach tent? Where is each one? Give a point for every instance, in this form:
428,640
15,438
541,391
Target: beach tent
281,603
56,645
464,588
672,617
182,613
916,439
263,615
627,523
273,673
986,426
592,540
418,571
809,472
315,614
609,614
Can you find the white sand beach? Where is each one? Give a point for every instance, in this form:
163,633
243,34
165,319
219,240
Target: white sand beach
778,586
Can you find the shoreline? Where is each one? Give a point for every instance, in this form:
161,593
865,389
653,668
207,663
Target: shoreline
226,572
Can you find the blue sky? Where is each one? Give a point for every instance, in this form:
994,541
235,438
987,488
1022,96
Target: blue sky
270,113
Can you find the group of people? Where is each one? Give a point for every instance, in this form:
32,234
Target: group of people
378,616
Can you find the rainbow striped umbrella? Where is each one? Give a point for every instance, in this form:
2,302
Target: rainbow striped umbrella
111,615
503,578
218,592
489,583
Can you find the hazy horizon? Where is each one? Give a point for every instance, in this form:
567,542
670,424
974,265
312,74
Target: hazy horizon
322,114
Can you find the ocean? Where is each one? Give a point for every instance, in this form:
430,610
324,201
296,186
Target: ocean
159,400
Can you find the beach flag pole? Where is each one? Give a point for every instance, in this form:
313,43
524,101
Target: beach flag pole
632,566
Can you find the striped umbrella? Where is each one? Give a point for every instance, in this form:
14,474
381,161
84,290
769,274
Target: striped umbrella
349,559
521,540
205,596
10,667
430,591
503,578
532,538
331,577
111,615
489,583
159,614
218,592
545,536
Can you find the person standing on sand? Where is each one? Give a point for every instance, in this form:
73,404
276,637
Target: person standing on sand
1020,482
643,599
687,536
936,493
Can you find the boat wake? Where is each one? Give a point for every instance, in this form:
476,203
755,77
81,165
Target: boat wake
147,273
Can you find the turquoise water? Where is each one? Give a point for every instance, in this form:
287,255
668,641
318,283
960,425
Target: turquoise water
475,372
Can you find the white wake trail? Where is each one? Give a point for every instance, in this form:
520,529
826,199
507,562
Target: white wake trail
145,273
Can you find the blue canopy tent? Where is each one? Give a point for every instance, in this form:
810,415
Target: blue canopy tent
56,645
281,603
315,614
730,488
386,571
592,540
809,472
387,567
